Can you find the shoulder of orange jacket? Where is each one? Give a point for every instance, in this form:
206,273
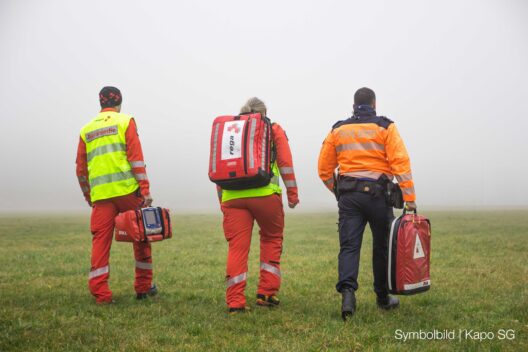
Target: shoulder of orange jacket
381,121
276,128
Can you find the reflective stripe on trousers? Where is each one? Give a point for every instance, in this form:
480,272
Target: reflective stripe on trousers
236,279
143,265
270,268
98,272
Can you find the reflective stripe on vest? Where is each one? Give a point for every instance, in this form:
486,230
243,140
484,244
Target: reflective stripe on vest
104,149
109,172
271,188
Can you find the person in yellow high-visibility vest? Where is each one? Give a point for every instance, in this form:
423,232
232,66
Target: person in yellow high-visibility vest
112,176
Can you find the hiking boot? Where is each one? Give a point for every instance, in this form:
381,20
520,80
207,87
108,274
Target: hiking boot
152,292
388,302
267,301
348,305
235,311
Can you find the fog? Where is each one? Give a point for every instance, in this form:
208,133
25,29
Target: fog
451,74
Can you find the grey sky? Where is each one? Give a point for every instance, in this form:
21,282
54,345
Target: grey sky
451,74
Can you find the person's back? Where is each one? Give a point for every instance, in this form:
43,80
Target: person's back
113,179
263,204
110,172
368,152
366,146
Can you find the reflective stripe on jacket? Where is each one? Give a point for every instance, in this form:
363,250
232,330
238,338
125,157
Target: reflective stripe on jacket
366,145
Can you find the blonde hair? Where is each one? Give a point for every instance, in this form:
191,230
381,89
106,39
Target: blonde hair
254,105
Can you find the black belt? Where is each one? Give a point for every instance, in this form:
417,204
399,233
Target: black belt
351,184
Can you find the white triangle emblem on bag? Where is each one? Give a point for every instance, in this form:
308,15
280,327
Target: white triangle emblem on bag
418,249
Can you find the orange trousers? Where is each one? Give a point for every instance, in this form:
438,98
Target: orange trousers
239,216
102,227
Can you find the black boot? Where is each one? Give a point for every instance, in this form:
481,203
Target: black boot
388,302
348,306
152,292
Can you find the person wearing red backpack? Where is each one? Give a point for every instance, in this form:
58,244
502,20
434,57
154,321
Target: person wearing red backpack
263,205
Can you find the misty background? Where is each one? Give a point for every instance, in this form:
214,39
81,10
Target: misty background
451,74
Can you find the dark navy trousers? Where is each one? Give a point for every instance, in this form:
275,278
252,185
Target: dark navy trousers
355,210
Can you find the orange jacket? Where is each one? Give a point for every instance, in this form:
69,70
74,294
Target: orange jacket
134,156
285,162
366,146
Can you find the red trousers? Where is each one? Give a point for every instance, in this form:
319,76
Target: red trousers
239,215
102,226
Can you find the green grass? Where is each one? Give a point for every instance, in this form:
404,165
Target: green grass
479,281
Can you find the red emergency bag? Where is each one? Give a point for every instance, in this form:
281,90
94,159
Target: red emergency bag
144,225
241,152
409,254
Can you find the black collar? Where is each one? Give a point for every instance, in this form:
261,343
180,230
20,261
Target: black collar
363,110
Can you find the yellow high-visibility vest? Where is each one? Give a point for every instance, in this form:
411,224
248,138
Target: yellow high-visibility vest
109,172
271,188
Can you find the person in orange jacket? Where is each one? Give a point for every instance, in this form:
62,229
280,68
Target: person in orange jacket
264,204
368,152
112,176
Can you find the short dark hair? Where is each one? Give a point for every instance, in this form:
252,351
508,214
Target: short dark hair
364,96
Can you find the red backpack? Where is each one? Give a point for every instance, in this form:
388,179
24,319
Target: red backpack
409,254
241,152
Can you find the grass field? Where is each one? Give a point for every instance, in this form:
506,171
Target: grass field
479,283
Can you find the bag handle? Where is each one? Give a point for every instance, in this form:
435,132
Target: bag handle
405,211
